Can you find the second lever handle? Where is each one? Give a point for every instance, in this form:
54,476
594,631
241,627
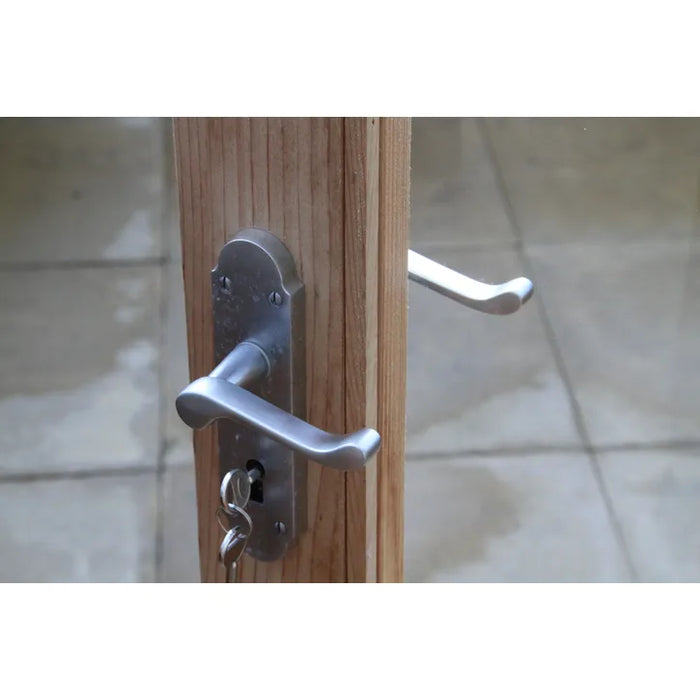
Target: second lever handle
490,298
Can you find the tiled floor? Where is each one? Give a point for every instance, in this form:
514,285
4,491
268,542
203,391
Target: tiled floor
563,443
558,444
94,467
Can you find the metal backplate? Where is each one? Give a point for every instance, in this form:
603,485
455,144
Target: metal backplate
258,297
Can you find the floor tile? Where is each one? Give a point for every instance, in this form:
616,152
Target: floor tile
180,543
627,318
600,179
81,189
508,519
656,496
99,529
79,352
454,197
477,381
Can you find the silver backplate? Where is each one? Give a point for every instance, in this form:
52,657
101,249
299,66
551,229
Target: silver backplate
258,297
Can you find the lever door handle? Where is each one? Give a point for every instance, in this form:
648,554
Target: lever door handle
490,298
221,395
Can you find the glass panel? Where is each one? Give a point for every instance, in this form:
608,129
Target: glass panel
561,443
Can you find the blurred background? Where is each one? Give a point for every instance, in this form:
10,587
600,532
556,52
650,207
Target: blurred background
558,444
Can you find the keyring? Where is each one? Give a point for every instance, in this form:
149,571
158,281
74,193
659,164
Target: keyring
236,510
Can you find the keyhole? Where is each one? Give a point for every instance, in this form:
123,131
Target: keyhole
256,472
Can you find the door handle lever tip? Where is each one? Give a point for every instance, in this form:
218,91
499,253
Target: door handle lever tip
501,299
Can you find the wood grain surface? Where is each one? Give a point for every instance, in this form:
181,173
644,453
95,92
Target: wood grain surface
394,198
335,191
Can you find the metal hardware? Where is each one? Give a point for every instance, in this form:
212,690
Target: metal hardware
237,531
232,548
235,489
259,332
232,516
210,398
490,298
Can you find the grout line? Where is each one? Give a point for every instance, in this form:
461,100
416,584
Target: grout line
163,308
671,445
113,471
522,451
574,405
120,263
527,450
452,246
88,473
486,246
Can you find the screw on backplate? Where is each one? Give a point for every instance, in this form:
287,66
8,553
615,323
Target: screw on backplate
275,298
225,283
280,527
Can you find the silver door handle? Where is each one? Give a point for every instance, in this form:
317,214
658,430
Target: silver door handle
221,395
490,298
